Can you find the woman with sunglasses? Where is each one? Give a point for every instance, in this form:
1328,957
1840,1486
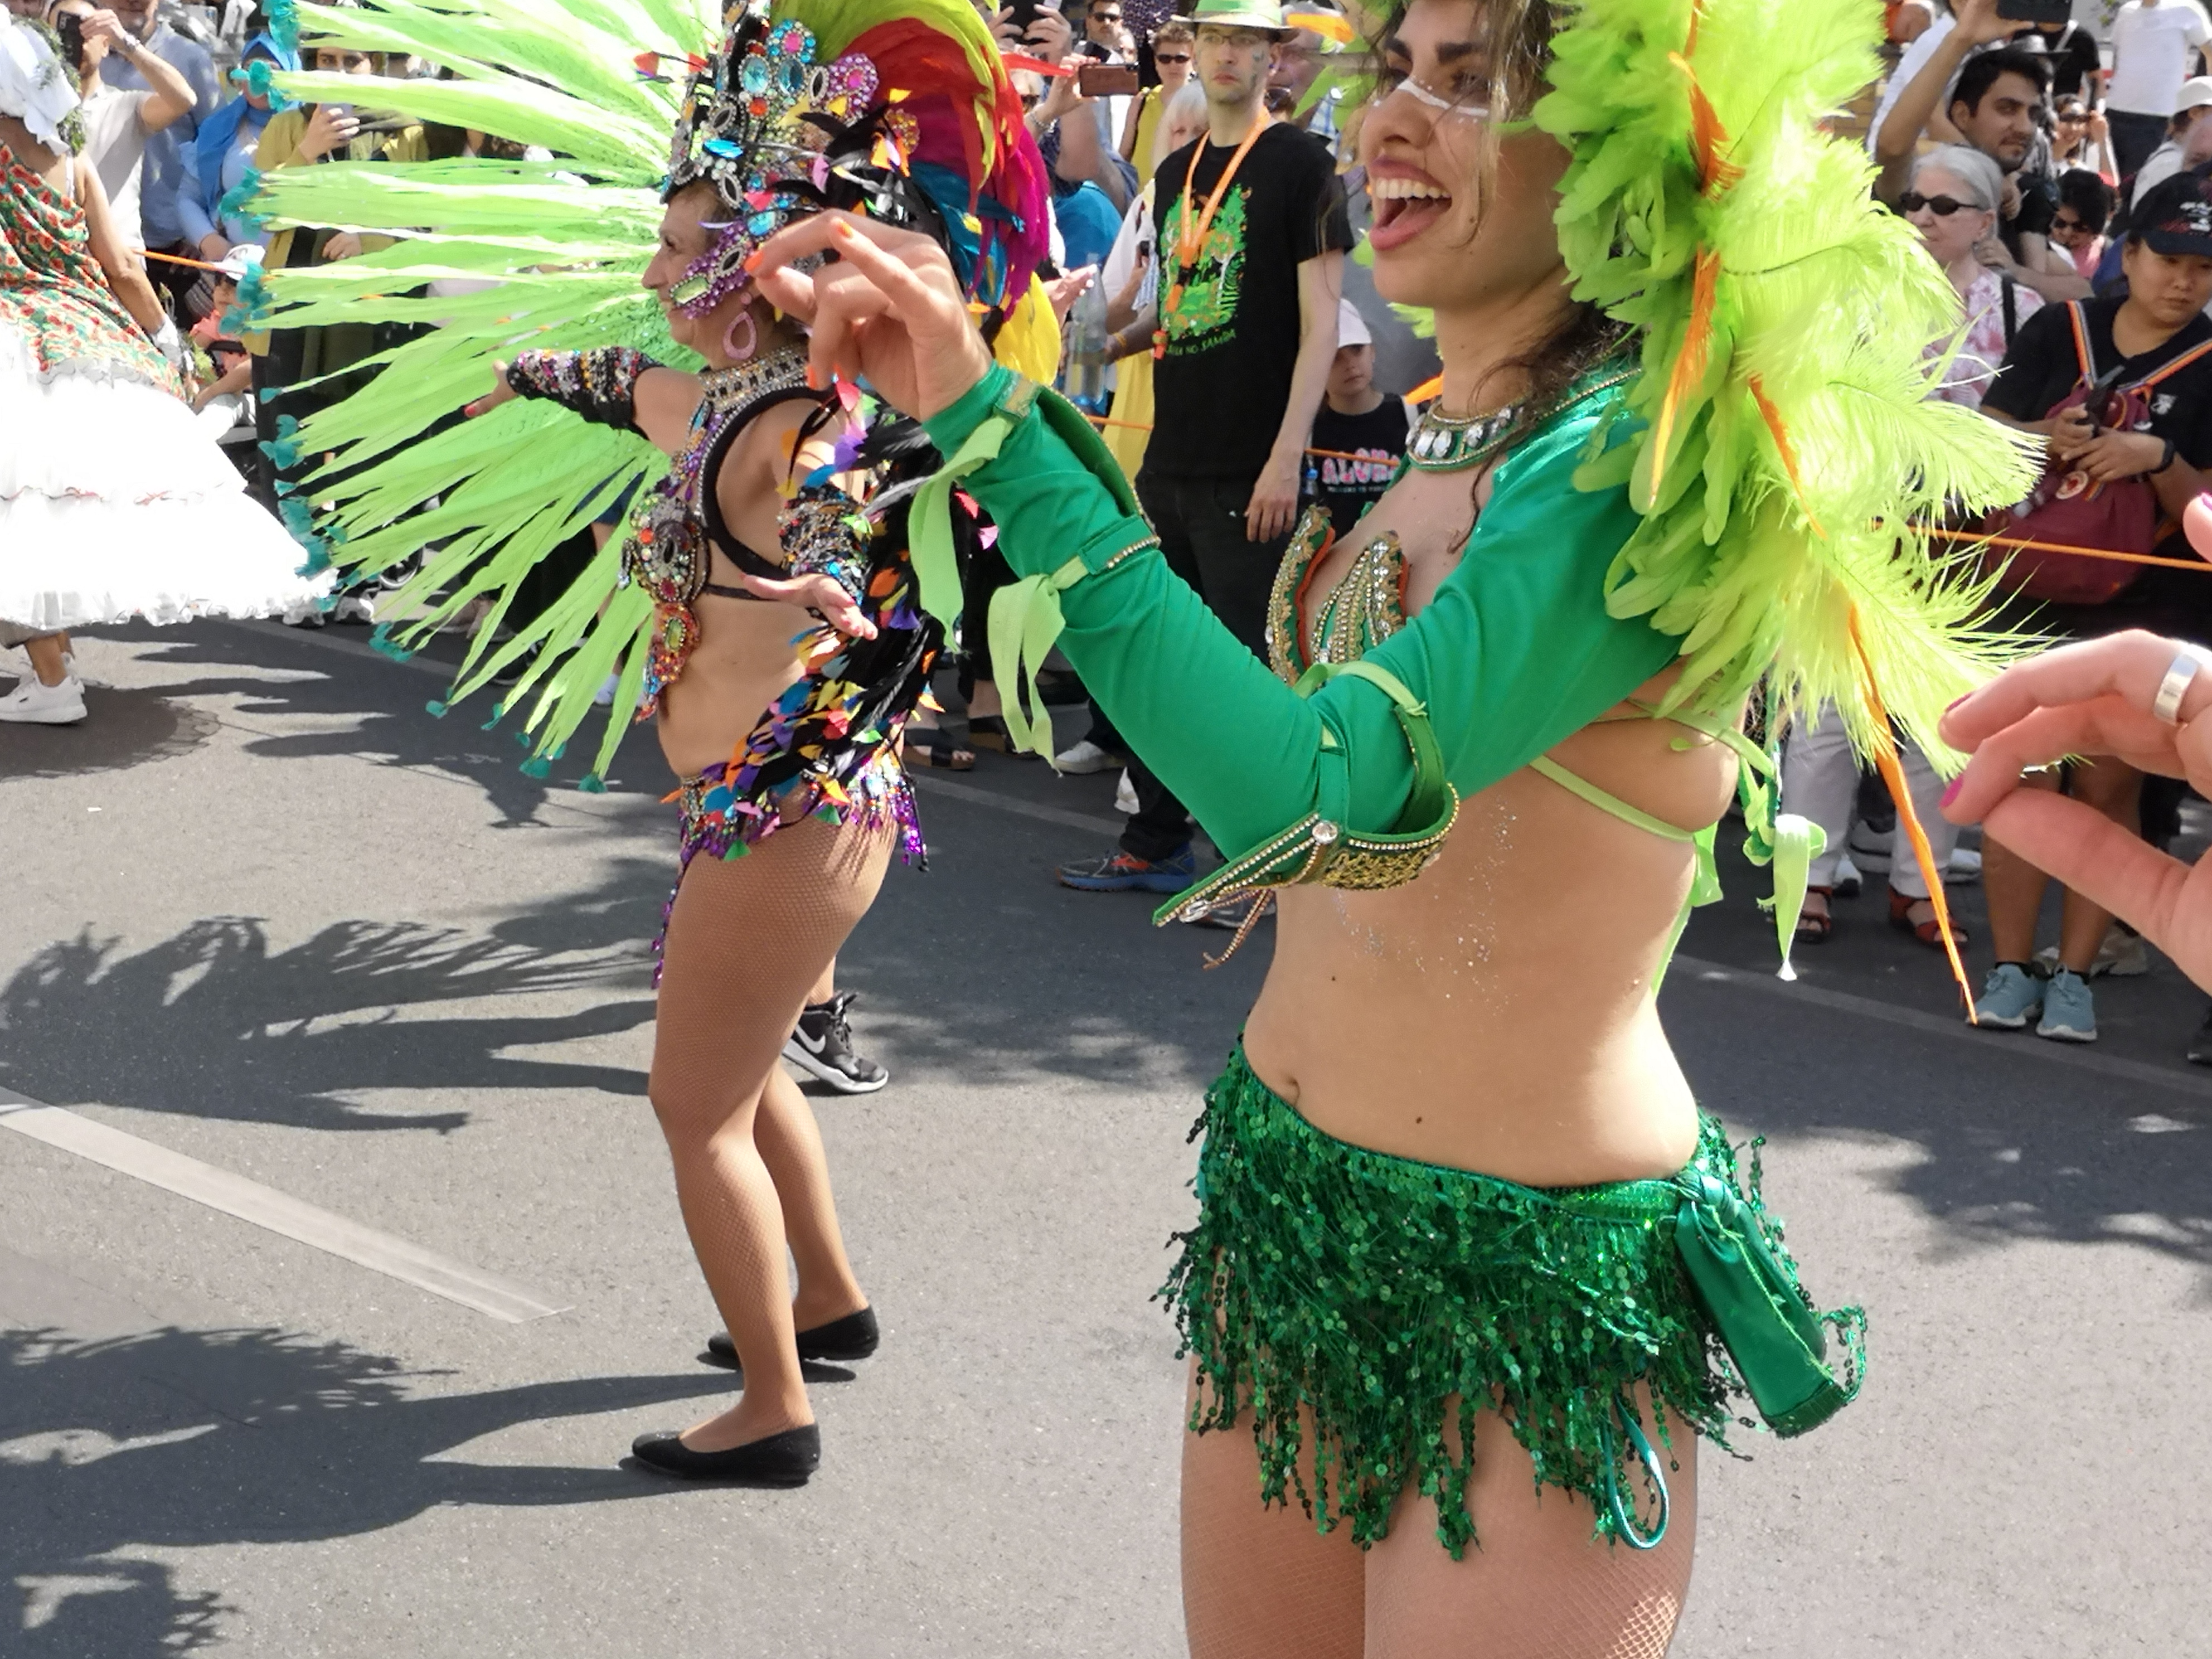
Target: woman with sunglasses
1429,1291
2083,139
2078,228
1173,48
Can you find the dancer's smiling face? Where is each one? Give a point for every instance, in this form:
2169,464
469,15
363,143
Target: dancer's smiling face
1462,216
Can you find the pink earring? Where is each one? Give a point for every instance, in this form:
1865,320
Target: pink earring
731,348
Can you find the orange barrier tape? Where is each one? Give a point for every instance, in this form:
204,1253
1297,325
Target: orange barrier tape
2079,552
180,259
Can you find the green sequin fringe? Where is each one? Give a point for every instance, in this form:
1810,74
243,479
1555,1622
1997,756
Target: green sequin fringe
1372,1289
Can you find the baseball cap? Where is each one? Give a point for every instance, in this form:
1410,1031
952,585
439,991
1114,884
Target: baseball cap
1350,327
2175,217
2194,93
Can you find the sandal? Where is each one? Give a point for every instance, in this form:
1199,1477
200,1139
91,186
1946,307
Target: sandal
1815,929
1922,928
989,732
933,747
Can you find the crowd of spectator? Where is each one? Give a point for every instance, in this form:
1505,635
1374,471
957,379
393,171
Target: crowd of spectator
2064,191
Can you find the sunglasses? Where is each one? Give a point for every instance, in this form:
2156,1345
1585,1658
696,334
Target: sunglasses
1942,206
2069,225
2071,118
1171,57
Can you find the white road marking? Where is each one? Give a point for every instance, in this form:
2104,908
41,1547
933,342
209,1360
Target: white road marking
264,1206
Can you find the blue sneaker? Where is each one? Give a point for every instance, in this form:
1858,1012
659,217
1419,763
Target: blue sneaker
2069,1013
1117,872
2011,997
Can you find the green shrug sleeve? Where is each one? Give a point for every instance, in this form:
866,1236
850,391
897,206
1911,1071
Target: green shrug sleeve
1514,652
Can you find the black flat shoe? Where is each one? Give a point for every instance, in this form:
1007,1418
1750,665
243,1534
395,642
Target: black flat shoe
854,1337
780,1460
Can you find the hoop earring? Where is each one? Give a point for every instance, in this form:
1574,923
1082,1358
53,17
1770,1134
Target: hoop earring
731,348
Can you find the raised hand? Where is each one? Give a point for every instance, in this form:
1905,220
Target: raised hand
2095,698
502,392
820,594
888,310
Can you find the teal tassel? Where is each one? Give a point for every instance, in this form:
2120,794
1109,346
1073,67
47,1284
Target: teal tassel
437,709
537,767
381,639
592,784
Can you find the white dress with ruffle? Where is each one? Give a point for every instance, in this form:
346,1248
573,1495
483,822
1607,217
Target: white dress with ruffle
114,502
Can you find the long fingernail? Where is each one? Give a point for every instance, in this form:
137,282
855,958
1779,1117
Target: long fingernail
1951,790
752,261
813,378
839,228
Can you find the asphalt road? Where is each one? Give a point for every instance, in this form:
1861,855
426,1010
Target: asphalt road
264,913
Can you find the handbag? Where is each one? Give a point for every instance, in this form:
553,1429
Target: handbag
2070,508
1777,1341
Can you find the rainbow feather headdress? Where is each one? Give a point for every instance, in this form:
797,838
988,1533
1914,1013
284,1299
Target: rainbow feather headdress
548,253
908,122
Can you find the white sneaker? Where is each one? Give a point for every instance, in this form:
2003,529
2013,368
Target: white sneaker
1085,757
1867,850
2121,954
1848,880
304,613
1965,866
1124,796
352,607
604,697
34,704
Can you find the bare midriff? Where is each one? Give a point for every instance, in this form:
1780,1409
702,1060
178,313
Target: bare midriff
1496,1014
742,664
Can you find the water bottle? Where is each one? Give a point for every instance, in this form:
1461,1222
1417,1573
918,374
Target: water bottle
1086,350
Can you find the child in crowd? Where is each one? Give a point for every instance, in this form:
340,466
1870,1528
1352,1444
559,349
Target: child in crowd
1358,433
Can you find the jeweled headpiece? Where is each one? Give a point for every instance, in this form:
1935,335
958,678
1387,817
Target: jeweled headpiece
901,112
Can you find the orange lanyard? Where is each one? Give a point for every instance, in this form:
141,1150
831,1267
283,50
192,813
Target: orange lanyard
1189,241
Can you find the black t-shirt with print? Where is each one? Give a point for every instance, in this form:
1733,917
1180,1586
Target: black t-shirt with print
1219,394
2043,367
1348,488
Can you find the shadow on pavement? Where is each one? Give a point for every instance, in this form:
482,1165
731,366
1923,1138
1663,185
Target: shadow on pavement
387,704
210,1023
183,1439
122,727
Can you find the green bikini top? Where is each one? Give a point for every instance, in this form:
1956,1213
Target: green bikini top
1368,605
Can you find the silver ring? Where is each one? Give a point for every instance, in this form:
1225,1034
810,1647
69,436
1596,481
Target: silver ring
2180,675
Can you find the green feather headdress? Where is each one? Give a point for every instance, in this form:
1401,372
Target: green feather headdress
1789,447
1788,452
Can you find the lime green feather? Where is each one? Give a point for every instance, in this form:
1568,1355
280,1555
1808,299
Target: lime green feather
1824,306
562,244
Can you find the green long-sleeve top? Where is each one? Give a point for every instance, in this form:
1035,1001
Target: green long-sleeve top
1516,652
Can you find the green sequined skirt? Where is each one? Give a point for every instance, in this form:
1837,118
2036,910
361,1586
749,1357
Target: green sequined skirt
1371,1289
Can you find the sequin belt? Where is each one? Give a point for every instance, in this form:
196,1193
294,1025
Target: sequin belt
1371,1289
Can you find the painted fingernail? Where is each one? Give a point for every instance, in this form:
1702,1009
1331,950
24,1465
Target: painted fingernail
838,228
1951,790
813,378
752,261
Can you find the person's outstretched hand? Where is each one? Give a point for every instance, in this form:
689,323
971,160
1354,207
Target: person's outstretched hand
502,392
2095,698
821,594
888,310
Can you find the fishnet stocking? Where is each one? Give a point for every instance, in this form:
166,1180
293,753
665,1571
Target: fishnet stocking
747,939
1260,1584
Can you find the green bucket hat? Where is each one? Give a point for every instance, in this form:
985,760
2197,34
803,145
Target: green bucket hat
1265,15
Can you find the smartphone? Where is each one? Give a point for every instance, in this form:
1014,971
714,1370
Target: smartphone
69,27
2051,14
1106,81
1023,14
340,112
2097,405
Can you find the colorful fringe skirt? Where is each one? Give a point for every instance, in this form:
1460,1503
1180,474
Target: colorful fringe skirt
1372,1290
